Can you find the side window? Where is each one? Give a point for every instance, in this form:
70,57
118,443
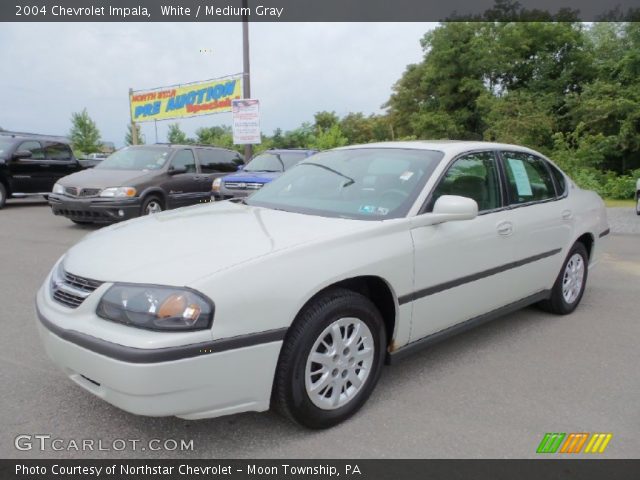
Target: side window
214,161
561,182
58,151
37,153
475,176
528,178
184,159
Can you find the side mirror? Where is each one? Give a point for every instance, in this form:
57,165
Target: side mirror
176,171
20,154
449,208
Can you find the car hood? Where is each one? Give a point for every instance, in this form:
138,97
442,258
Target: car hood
102,178
252,177
181,246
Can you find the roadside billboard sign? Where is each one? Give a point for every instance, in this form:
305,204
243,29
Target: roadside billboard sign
187,100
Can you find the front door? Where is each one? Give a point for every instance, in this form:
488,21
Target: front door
462,268
29,175
184,188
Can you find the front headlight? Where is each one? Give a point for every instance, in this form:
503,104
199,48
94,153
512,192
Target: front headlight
156,308
217,183
57,188
118,192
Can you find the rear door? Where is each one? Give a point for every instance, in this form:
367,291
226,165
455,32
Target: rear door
30,175
185,188
60,161
542,220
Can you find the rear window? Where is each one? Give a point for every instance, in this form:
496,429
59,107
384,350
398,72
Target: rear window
214,161
561,182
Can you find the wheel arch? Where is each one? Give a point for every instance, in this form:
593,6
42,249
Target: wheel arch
154,191
376,289
587,239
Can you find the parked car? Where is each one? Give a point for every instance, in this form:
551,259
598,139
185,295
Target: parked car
295,296
30,164
262,169
141,180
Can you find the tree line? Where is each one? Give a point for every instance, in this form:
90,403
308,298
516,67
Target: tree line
565,88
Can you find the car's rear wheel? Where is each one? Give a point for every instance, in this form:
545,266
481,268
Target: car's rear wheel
3,195
638,205
331,359
570,284
152,205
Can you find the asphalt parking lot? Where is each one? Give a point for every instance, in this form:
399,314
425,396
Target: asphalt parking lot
490,393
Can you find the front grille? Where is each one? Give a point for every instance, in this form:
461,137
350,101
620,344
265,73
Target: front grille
81,192
82,214
243,185
71,290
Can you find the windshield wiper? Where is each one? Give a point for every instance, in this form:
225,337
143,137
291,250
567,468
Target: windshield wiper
351,181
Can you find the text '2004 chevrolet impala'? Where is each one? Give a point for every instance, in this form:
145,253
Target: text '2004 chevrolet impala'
295,297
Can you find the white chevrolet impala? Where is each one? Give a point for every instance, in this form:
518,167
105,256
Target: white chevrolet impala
295,297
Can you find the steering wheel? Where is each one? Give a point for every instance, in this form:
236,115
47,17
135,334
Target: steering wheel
401,195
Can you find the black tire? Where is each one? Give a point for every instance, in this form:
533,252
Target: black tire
638,204
3,195
290,395
557,303
151,199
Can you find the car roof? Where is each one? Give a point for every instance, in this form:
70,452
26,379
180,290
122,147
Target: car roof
184,145
290,150
450,147
20,136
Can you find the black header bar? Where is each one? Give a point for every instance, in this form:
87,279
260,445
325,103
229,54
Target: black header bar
314,10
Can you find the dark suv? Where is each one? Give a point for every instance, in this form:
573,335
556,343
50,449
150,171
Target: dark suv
140,180
30,164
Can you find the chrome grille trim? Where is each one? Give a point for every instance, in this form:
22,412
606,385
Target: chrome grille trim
71,290
243,185
81,192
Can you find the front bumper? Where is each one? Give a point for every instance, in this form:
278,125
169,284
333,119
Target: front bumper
225,193
190,381
95,209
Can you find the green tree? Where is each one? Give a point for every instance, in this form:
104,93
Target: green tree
84,134
128,138
330,138
325,120
176,135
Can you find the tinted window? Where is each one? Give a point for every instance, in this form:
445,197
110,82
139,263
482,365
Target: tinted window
274,161
5,145
528,179
34,147
362,183
184,159
561,182
58,151
474,176
213,161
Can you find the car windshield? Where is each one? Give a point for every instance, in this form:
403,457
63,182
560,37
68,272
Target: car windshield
5,145
274,162
136,158
359,183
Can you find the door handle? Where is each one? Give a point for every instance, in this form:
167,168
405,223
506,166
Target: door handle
505,228
567,214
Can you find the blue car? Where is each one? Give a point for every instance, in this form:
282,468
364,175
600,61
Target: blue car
262,169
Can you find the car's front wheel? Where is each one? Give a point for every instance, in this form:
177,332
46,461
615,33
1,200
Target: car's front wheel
570,284
331,359
152,205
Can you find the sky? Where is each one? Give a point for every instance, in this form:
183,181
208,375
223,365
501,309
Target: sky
297,69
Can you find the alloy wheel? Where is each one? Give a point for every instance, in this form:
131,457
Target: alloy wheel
573,278
339,363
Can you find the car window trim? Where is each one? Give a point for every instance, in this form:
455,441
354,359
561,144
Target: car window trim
503,205
195,158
